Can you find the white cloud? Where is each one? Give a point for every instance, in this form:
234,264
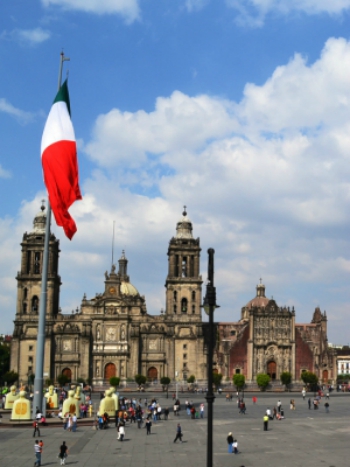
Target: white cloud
253,12
195,5
266,181
21,115
129,9
4,173
27,37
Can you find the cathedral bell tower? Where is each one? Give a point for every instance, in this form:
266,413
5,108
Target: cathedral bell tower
29,277
184,283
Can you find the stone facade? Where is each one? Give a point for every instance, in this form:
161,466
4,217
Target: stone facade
267,340
111,334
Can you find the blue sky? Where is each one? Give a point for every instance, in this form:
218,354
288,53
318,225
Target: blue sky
237,108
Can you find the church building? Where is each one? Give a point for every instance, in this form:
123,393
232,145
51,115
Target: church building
112,334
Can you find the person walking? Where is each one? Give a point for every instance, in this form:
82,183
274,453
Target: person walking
178,433
74,422
309,403
326,405
36,428
279,403
266,422
37,450
148,426
63,452
235,446
201,410
230,443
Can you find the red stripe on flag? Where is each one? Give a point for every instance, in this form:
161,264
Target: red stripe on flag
60,167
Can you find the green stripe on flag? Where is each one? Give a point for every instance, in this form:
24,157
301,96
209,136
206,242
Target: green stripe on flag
63,95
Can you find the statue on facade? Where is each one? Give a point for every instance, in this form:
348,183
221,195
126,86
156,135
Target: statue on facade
51,398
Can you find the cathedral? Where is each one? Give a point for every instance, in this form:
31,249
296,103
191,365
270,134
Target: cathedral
112,334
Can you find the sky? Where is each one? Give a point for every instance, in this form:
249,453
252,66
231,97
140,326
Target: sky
238,109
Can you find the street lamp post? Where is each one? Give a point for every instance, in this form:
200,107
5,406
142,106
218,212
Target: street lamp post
209,306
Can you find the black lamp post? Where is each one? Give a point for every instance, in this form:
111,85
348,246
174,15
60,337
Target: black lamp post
209,306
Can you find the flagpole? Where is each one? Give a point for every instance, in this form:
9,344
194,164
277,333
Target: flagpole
40,346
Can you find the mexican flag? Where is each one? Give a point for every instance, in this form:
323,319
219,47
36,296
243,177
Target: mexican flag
59,161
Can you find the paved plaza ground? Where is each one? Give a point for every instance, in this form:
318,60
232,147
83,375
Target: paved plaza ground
304,438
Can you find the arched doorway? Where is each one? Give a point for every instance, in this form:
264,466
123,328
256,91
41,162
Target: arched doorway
325,376
271,370
67,372
152,373
110,370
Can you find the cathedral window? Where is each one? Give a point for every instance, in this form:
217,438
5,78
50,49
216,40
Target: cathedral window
24,308
184,266
193,296
25,293
184,305
184,356
238,371
233,333
193,309
175,309
184,346
30,359
177,260
30,348
37,262
28,261
185,365
191,266
35,304
175,296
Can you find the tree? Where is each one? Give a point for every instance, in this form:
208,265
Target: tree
165,381
48,381
4,360
62,379
310,379
114,381
191,379
217,377
263,380
238,381
10,377
286,378
140,379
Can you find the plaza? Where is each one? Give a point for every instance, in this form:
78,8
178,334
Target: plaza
304,438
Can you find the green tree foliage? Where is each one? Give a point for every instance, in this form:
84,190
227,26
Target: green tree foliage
286,378
48,381
238,381
263,380
10,377
140,379
217,377
114,381
165,380
191,379
310,378
62,380
4,360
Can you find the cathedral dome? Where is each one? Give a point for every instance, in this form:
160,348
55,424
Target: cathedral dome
260,300
128,289
184,226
